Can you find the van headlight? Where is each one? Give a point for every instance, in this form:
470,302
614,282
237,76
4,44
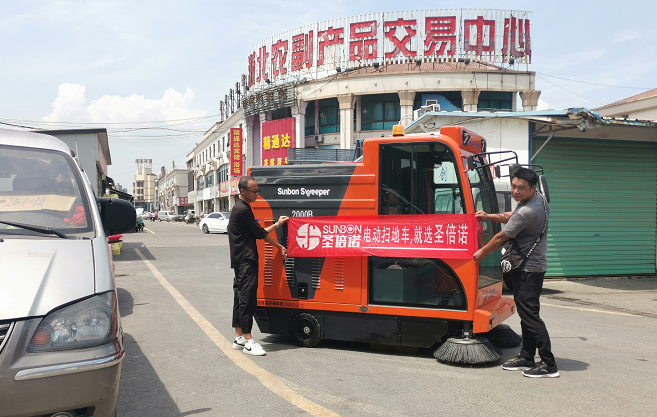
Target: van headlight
90,322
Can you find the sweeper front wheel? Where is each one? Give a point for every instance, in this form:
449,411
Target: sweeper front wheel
305,330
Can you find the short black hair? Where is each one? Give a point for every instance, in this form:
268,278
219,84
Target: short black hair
243,183
525,174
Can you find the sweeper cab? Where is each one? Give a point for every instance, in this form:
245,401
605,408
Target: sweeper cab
381,249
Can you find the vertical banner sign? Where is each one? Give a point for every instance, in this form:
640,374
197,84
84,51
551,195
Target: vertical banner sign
446,236
277,137
234,186
235,151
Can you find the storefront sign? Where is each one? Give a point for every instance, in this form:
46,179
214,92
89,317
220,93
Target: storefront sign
207,193
484,35
224,189
199,194
234,187
277,137
182,201
235,151
447,236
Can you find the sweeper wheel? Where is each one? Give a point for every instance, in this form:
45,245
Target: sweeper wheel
305,330
467,351
503,336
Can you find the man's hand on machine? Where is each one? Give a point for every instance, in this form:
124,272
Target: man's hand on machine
283,253
282,220
481,215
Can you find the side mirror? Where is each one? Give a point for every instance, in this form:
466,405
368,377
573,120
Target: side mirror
498,171
117,216
544,187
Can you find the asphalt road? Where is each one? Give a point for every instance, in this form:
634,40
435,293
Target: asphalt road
176,302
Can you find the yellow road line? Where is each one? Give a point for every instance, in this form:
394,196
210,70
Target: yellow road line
266,378
591,310
148,230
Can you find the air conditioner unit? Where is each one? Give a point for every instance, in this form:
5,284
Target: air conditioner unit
319,139
430,102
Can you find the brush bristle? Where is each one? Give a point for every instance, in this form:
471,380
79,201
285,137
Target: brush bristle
503,336
452,352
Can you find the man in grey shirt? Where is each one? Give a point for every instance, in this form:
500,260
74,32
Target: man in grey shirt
525,225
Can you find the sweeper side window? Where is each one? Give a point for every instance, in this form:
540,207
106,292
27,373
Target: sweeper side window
419,178
414,282
485,198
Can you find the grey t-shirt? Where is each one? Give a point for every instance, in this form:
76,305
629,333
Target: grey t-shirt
525,225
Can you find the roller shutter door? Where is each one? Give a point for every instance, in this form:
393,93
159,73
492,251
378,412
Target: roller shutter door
603,206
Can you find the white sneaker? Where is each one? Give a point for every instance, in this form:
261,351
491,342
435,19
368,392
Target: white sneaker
239,343
252,348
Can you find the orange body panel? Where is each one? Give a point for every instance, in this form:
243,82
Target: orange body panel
343,283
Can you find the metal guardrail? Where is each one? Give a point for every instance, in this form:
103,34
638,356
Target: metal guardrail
308,156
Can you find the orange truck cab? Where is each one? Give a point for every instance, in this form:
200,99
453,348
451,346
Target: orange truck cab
406,301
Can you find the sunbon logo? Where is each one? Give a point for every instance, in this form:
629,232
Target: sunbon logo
308,236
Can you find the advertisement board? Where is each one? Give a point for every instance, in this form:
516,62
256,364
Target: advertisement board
277,135
448,236
224,188
234,188
482,35
235,151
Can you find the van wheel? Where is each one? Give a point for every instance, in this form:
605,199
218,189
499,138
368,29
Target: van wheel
305,330
205,229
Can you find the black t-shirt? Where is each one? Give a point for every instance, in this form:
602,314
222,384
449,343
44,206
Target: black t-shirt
243,230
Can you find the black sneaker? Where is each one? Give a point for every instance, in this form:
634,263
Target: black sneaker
541,370
518,364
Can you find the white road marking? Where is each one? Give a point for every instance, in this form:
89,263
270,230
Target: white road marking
266,378
591,310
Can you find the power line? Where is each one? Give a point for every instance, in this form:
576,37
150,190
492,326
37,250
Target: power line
572,92
602,85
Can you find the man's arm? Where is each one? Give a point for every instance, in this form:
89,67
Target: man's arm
499,217
270,239
495,243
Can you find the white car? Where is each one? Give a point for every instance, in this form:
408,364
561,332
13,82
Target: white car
215,222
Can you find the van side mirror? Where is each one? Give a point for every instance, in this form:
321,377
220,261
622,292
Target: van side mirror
118,216
544,187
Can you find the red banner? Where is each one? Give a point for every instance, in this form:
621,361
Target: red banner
235,151
447,236
277,137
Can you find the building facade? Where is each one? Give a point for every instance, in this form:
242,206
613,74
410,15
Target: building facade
172,191
211,162
144,185
641,106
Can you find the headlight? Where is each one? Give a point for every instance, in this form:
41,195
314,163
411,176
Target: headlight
89,322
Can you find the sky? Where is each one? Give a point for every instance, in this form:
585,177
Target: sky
118,64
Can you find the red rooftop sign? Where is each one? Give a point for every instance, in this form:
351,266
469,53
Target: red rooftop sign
482,35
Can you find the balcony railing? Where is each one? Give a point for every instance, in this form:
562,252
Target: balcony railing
317,156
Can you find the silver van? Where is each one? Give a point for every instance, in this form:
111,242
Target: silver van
61,341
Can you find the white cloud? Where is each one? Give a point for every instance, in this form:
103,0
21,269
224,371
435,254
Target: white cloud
543,105
72,105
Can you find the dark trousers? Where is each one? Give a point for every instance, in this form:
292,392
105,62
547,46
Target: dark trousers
245,288
527,287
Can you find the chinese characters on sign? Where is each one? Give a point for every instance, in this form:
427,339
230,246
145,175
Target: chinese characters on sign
491,36
277,137
449,236
235,151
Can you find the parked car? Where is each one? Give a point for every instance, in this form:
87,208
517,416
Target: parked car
215,222
61,341
165,215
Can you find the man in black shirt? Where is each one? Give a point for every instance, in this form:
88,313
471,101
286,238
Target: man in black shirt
243,230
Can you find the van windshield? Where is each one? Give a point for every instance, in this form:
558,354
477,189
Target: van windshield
41,188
